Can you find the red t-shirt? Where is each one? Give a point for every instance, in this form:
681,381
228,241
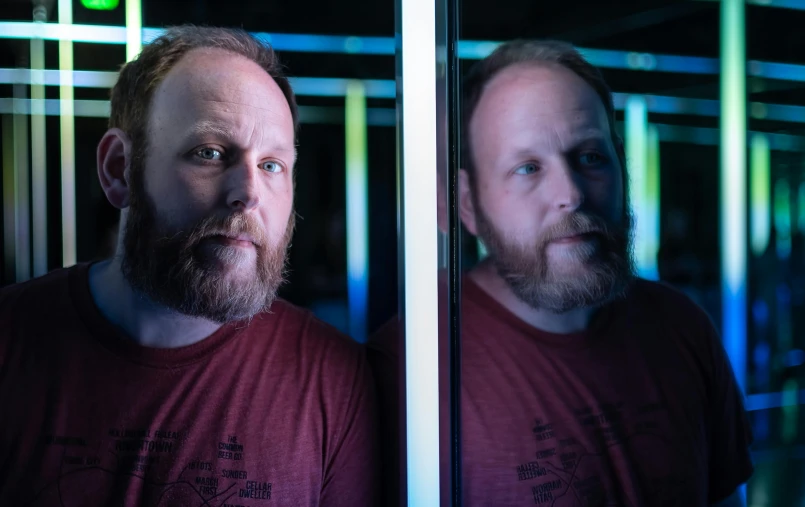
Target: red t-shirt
640,410
276,411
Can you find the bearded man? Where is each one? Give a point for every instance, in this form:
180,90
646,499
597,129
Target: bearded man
171,374
581,385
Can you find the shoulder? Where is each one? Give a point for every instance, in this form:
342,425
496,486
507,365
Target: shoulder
676,319
670,305
386,340
308,335
36,304
36,292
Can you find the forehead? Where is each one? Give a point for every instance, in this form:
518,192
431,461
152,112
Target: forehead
538,97
213,84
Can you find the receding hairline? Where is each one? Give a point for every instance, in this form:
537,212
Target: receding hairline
133,93
505,76
549,67
216,51
215,126
548,54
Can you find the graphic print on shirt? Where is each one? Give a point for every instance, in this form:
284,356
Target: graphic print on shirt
575,471
141,459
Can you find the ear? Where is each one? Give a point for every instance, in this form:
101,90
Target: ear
466,202
114,160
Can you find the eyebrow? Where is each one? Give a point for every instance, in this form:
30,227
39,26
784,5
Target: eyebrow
212,128
586,136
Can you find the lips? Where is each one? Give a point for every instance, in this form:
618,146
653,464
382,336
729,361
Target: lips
573,237
234,239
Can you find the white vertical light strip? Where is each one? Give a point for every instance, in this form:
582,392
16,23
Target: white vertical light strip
357,209
418,55
22,187
67,135
39,198
760,190
636,129
733,184
134,29
9,203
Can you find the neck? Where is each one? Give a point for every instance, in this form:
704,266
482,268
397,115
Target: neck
573,321
142,320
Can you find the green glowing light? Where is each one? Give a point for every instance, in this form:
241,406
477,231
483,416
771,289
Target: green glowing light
782,218
134,29
9,204
642,185
67,138
760,191
801,208
652,203
482,251
100,5
790,410
39,197
357,208
732,187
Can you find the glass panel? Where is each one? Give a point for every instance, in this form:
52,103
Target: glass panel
714,202
775,352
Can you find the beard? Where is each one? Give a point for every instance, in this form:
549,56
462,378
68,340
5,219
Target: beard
588,275
188,272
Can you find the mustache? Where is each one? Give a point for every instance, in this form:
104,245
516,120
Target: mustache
576,224
233,225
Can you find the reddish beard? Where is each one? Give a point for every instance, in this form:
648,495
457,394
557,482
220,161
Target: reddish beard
526,267
170,268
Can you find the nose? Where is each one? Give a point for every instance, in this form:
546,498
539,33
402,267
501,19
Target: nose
243,193
566,188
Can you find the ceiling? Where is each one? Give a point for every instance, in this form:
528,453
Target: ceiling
686,27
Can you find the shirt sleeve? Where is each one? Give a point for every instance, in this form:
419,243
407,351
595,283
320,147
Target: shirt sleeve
351,473
730,433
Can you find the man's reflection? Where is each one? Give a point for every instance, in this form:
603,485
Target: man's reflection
581,384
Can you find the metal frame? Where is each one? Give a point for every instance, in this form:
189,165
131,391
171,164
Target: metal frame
359,45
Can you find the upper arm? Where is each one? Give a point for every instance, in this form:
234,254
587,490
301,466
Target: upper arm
352,468
736,499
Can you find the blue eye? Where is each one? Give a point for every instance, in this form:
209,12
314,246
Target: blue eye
529,168
208,154
592,158
271,166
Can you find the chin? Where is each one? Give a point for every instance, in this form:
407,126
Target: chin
581,267
230,261
237,273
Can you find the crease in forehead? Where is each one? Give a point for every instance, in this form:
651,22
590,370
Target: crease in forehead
212,104
219,76
543,82
537,98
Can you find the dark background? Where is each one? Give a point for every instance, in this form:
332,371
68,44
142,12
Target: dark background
689,256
